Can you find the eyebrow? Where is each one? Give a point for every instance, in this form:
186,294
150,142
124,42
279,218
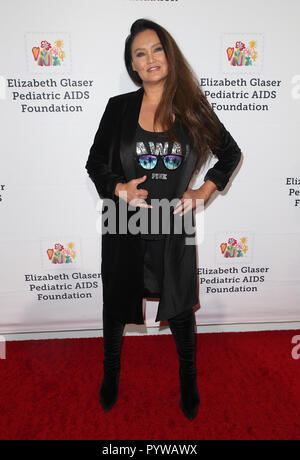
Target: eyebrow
144,48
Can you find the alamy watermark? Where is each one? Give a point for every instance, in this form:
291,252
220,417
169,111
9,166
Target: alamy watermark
116,220
296,348
2,347
296,87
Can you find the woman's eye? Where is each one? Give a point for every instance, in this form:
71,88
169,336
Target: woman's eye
141,54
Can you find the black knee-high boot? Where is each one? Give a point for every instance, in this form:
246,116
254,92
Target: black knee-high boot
112,340
182,328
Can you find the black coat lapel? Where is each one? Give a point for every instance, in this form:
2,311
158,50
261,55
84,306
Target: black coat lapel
129,124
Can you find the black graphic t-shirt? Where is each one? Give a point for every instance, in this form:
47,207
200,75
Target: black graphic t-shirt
162,162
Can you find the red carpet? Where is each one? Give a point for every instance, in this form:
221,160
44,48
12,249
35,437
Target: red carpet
248,384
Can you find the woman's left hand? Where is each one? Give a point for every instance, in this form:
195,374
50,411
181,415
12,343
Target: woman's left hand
188,201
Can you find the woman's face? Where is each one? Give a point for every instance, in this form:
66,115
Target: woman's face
148,57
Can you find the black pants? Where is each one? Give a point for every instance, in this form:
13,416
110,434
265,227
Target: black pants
181,326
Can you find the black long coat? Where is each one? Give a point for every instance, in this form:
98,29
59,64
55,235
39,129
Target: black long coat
111,161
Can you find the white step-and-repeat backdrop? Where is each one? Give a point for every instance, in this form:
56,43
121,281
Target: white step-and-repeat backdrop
60,62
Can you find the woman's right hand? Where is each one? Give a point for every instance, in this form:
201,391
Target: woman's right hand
134,196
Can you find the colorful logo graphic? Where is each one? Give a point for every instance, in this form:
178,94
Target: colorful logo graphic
62,255
242,55
233,248
48,55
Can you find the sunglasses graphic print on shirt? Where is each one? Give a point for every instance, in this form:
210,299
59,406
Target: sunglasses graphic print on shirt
158,151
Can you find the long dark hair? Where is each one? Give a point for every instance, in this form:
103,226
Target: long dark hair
182,94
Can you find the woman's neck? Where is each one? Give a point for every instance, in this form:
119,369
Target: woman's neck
153,94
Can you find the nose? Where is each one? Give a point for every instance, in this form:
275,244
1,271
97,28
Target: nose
150,57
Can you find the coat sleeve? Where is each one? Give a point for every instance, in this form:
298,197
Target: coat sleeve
99,161
228,155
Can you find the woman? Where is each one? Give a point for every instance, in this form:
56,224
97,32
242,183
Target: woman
149,144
